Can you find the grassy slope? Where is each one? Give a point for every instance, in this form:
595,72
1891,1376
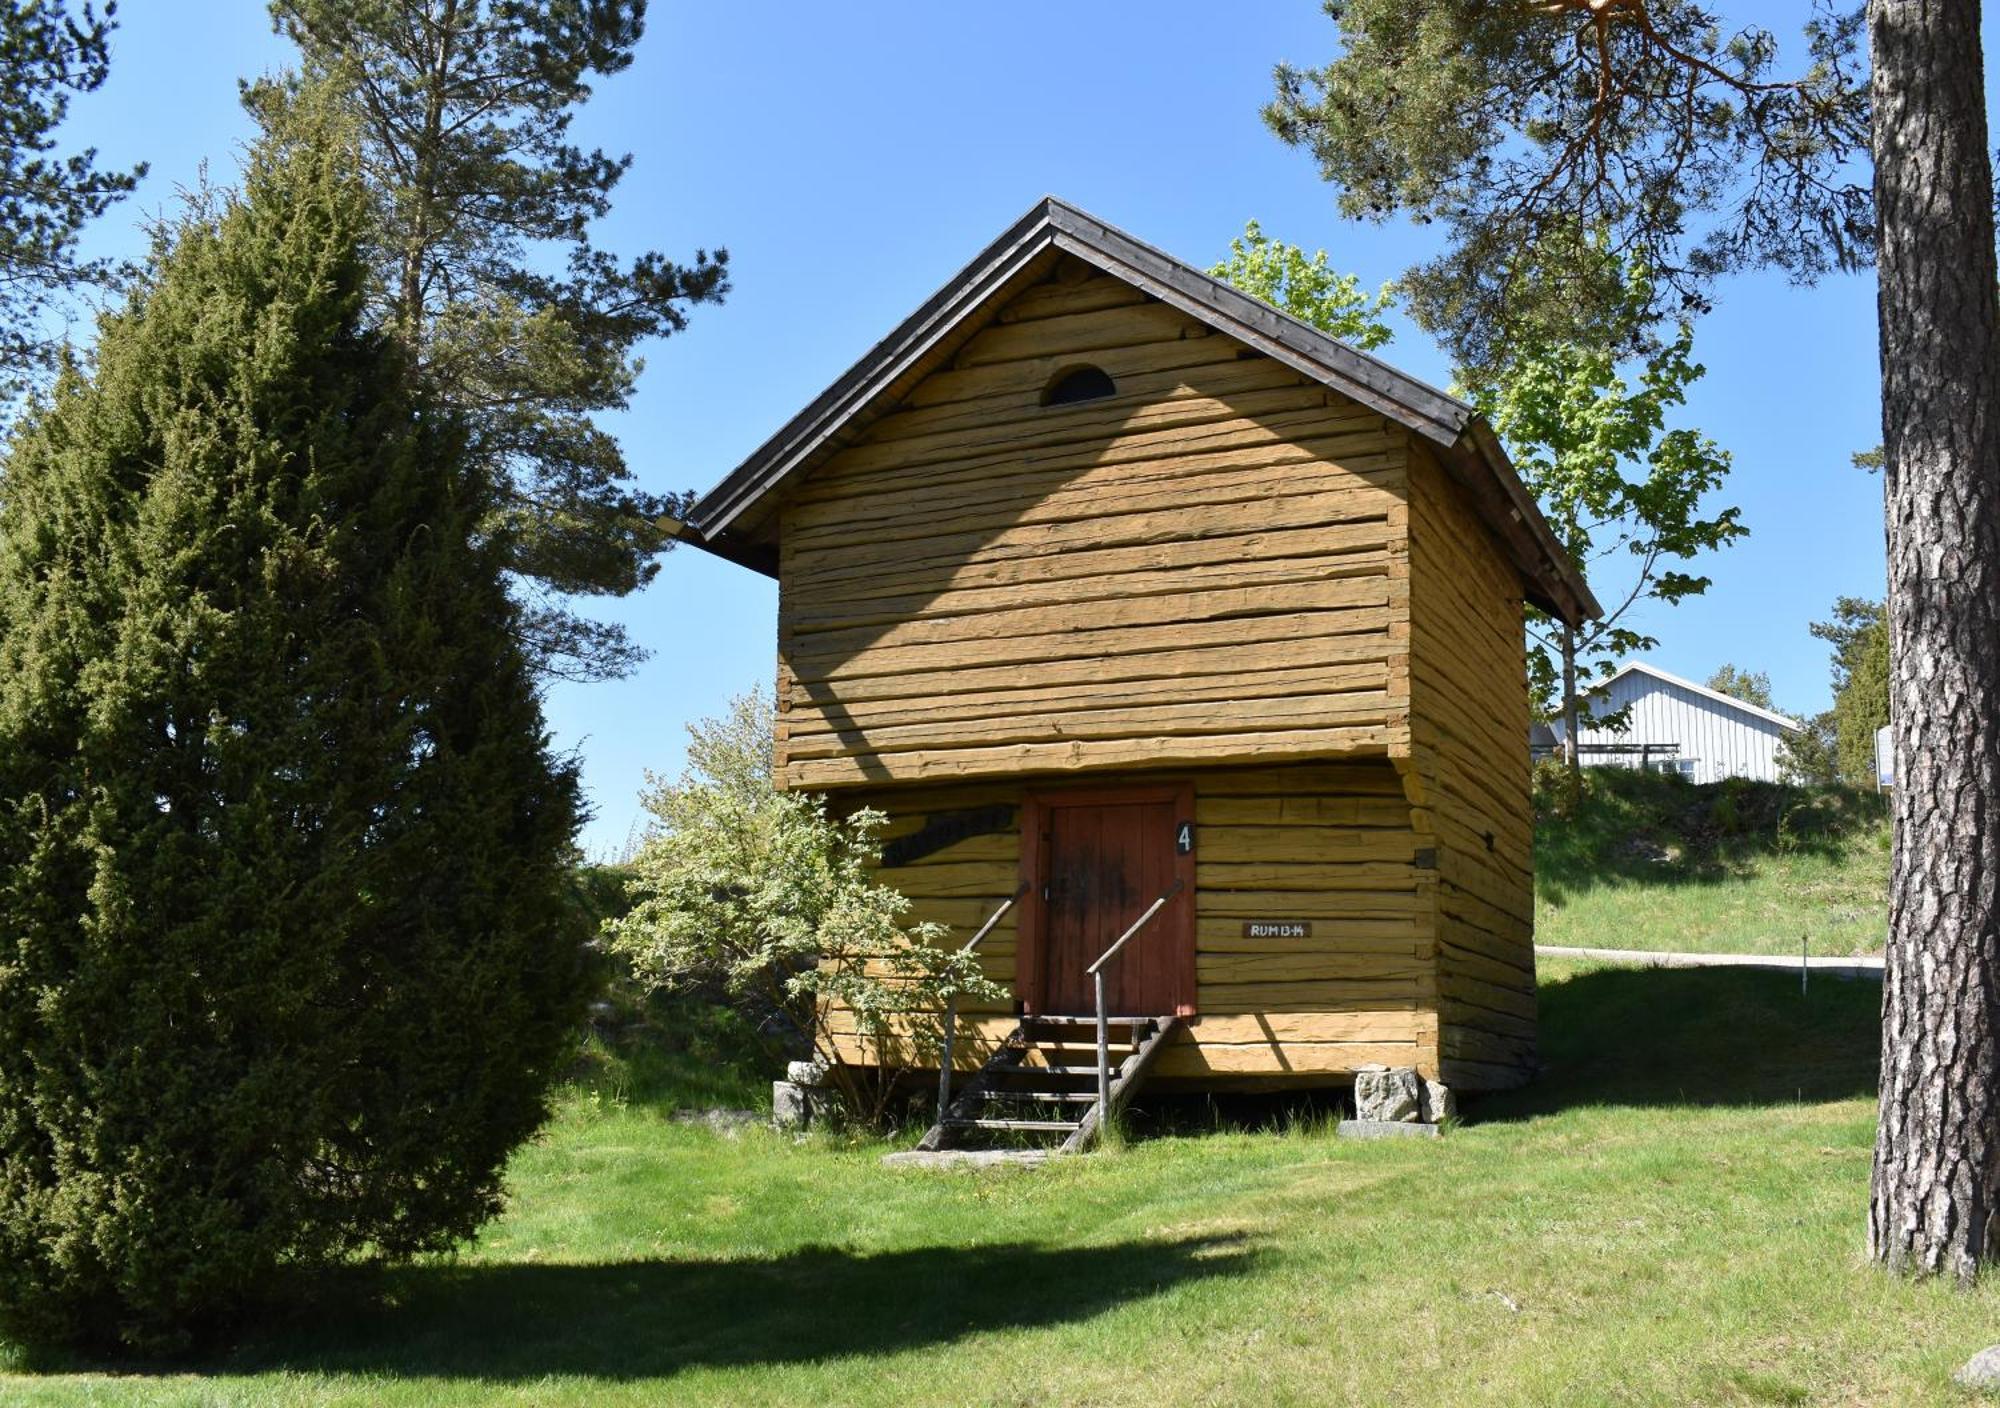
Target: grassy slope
1650,862
1673,1215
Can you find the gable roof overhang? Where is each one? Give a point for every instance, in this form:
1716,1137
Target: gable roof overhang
724,519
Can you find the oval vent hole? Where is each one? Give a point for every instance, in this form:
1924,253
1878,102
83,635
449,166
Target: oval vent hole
1079,384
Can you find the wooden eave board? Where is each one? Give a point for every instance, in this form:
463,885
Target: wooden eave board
733,518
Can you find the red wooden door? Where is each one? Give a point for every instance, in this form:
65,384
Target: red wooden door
1104,859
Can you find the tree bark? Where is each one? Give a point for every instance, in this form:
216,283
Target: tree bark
1937,1162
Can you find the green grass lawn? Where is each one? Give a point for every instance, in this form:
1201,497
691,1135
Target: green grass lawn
1672,1215
1648,862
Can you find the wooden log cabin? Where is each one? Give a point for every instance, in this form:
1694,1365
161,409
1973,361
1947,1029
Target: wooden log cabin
1101,578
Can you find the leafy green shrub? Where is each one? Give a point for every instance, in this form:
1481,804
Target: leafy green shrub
668,1048
1725,814
1645,826
767,896
288,962
1550,781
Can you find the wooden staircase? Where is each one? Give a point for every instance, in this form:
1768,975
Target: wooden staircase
1042,1082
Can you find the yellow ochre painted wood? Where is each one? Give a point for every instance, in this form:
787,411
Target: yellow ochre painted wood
1223,575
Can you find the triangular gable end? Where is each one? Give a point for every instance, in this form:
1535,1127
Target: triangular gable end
727,519
1729,701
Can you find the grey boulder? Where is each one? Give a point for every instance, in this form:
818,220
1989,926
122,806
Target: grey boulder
1388,1095
1982,1371
811,1073
791,1106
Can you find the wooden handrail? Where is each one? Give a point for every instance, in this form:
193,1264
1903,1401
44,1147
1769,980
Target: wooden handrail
994,918
1141,922
951,1004
1096,971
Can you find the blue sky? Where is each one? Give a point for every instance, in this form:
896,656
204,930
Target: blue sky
852,157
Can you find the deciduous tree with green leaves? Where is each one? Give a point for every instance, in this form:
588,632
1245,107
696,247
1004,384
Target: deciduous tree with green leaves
47,56
1676,131
284,854
486,270
1811,756
1286,277
1751,686
1621,490
769,896
1625,494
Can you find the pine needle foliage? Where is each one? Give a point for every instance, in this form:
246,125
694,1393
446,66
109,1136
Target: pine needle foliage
487,269
48,54
1536,133
283,848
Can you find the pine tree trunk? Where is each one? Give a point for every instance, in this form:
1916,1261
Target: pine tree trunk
1937,1162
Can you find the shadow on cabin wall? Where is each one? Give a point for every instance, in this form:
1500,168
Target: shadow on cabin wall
1033,481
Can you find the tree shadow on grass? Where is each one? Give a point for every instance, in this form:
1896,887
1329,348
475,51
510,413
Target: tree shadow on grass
654,1318
1698,1036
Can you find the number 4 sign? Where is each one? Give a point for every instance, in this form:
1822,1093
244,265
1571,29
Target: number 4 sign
1184,838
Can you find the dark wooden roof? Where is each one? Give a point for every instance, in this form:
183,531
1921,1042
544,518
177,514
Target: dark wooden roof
725,520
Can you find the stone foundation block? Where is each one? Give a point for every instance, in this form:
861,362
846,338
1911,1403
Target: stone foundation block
1385,1129
791,1107
1392,1095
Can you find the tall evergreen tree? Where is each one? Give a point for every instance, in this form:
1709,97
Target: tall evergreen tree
47,56
1859,635
1534,130
485,269
283,849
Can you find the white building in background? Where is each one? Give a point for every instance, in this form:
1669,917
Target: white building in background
1675,725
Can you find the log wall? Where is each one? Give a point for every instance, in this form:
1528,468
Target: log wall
1195,570
1468,773
1225,573
1331,844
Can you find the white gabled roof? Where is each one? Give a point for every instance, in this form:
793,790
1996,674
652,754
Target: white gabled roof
1654,671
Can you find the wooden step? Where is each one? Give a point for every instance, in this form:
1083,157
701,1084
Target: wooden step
1130,1076
1068,1044
1048,1126
1088,1022
1065,1076
1055,1070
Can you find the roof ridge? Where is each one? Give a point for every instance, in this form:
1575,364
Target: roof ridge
1468,450
1294,319
1647,667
